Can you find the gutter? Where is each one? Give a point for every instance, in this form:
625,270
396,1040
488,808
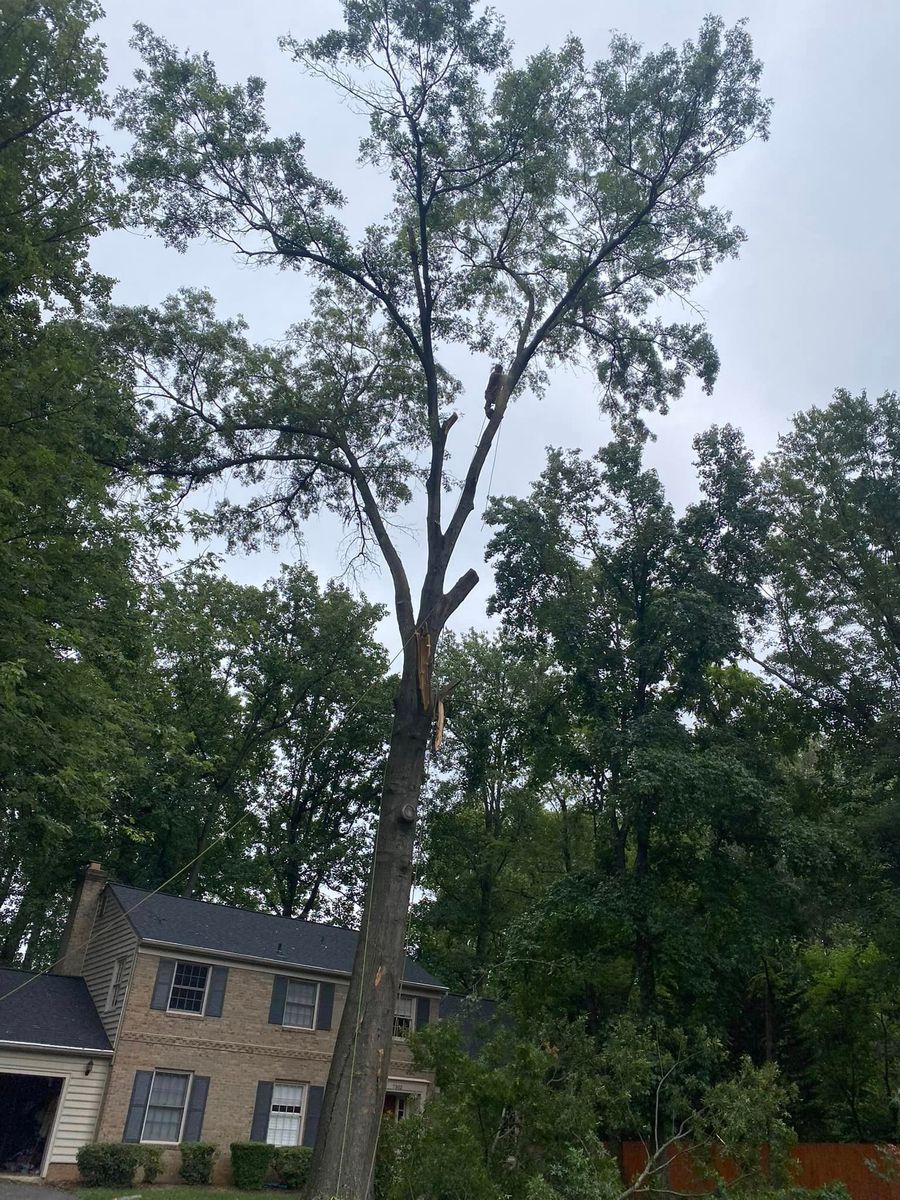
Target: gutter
276,963
93,1051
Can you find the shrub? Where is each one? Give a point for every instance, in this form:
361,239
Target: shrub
291,1165
150,1158
197,1162
249,1163
107,1164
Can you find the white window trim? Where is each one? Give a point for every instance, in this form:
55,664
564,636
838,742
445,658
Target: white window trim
187,1097
304,1103
183,1012
315,1021
115,983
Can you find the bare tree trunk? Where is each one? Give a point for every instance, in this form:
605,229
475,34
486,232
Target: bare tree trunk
344,1156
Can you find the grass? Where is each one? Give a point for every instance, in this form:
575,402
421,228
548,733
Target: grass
162,1191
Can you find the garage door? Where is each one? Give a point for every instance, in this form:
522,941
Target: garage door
29,1104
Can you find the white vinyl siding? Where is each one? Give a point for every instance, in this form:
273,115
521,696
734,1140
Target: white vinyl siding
112,940
79,1108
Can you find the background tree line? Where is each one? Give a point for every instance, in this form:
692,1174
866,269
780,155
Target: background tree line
662,829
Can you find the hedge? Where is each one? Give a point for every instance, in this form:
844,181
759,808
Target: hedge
107,1164
197,1162
249,1163
291,1165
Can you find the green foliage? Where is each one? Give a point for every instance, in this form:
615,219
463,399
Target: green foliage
291,1164
197,1160
250,1163
108,1164
149,1158
521,1119
70,531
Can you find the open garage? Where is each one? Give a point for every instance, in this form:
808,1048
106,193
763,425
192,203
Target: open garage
54,1061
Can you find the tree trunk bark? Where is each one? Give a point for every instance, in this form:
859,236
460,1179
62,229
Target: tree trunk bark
343,1159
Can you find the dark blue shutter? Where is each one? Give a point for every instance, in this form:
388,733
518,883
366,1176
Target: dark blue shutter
279,994
165,972
137,1108
216,997
423,1011
193,1122
313,1109
259,1129
326,1006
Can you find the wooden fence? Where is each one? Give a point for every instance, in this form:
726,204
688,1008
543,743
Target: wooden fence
818,1163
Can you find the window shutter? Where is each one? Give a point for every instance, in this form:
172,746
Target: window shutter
259,1130
137,1108
326,1006
164,975
216,996
193,1122
279,994
423,1011
313,1108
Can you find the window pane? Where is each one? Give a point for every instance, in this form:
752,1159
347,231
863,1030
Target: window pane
166,1108
286,1114
162,1125
403,1013
284,1130
287,1095
300,1004
169,1089
188,987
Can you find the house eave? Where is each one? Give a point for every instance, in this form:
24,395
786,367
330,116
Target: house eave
93,1051
275,963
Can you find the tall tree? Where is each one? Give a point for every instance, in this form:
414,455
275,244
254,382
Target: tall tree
488,829
538,213
268,713
70,636
637,605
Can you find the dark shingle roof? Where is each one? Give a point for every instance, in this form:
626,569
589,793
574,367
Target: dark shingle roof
160,917
50,1010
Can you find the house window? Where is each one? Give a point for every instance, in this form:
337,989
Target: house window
403,1016
115,984
396,1106
188,987
286,1114
300,1004
165,1108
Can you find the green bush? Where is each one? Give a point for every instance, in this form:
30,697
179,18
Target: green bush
249,1163
197,1162
291,1165
150,1158
107,1164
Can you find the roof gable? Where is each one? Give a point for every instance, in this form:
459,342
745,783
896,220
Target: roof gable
50,1010
219,928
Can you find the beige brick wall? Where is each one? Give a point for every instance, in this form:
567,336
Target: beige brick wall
235,1050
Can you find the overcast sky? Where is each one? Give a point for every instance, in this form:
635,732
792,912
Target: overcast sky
812,303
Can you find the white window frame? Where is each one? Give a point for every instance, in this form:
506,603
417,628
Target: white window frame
115,982
285,1024
186,1012
189,1075
304,1103
411,1016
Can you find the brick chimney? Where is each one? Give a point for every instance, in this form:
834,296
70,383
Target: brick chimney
80,922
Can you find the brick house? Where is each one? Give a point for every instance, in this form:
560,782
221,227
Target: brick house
199,1021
